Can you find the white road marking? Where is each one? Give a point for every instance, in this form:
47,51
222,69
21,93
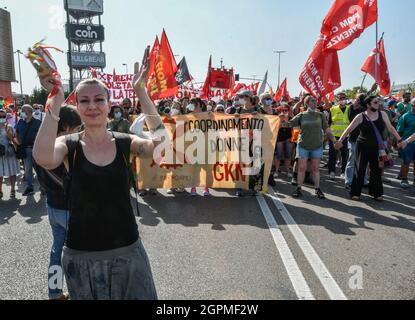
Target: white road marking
323,274
297,279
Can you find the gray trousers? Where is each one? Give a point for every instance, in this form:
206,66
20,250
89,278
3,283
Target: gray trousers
120,274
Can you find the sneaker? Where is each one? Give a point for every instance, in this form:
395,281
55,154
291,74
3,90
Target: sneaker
142,193
405,184
12,194
348,186
170,191
320,194
238,192
297,193
276,175
206,192
1,195
332,176
28,192
180,190
193,192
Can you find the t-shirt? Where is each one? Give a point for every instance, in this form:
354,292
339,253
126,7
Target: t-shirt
312,125
122,126
401,108
406,125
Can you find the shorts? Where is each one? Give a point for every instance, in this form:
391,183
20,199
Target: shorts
309,154
283,150
408,154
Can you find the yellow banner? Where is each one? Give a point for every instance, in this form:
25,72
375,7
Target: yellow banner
215,151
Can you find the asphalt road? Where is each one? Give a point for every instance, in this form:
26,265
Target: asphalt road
223,247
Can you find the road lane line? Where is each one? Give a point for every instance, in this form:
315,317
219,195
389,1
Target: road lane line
298,281
323,274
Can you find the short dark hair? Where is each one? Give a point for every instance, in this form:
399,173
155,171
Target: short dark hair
69,118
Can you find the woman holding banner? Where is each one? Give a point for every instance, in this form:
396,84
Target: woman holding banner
104,257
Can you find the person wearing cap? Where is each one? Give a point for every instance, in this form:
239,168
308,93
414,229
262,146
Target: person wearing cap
26,130
338,122
266,104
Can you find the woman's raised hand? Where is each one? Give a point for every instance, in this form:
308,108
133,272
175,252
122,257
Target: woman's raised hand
141,73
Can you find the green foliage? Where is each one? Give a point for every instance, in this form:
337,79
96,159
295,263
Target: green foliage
38,96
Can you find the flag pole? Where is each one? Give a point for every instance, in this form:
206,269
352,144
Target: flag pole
363,81
377,50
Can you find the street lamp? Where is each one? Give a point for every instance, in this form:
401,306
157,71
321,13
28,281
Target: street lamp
20,71
279,52
126,67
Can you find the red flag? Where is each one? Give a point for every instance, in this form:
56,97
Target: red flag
378,68
321,74
346,21
71,100
93,72
206,86
152,81
282,92
331,97
165,84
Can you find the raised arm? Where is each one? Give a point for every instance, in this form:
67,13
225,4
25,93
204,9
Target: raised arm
139,146
48,151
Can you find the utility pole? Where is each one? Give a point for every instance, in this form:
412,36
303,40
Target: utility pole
279,52
20,72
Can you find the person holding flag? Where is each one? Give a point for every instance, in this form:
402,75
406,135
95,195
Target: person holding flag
104,258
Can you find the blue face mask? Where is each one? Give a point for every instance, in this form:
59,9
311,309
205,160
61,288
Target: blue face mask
268,102
118,115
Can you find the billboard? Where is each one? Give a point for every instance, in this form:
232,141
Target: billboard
7,72
91,7
81,33
84,60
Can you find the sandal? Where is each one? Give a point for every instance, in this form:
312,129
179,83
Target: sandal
379,199
356,198
320,194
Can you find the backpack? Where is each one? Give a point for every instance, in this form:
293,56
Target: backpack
122,141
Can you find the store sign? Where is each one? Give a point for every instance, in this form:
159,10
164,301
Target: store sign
90,6
85,33
88,59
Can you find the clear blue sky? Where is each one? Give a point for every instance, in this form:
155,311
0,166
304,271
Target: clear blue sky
242,32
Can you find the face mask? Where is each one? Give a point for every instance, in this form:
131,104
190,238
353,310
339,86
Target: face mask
191,107
312,110
23,115
209,108
343,102
2,121
118,115
37,112
268,103
174,112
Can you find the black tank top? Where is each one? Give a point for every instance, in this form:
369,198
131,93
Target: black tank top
367,134
101,214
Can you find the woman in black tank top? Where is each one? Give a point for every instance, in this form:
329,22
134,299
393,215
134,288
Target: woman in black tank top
104,257
367,148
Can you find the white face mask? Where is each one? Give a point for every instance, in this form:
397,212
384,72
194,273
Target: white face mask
174,112
191,107
343,102
118,115
209,108
2,121
23,115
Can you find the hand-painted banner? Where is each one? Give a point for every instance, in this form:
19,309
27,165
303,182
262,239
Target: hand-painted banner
226,147
120,86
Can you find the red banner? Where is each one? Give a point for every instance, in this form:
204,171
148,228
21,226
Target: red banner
321,74
346,21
